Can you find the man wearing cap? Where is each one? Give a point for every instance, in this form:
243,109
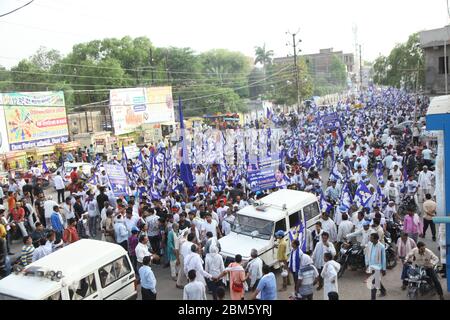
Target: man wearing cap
282,252
132,244
362,235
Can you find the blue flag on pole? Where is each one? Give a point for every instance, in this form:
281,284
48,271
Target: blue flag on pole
363,193
185,168
44,167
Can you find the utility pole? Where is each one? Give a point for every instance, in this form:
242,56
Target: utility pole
445,65
151,65
297,75
360,69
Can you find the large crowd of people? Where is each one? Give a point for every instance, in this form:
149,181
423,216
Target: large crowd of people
163,220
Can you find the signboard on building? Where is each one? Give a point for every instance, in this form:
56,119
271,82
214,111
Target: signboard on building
34,119
133,107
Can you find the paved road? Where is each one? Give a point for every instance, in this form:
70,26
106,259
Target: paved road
352,285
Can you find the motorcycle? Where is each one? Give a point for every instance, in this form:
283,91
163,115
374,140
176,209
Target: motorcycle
351,255
391,256
394,230
406,204
418,282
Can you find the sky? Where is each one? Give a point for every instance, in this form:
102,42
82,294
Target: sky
237,25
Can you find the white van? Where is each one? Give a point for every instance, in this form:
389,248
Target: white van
84,270
255,225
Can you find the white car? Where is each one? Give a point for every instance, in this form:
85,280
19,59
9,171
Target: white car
255,225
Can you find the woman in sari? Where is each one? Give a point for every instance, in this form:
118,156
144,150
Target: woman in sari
237,278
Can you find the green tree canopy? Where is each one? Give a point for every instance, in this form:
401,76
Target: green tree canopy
402,66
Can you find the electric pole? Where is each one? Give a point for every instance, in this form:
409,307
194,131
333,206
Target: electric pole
151,65
297,75
360,69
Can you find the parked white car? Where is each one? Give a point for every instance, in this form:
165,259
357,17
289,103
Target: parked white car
255,225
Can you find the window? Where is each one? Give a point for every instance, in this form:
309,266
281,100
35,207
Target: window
442,65
294,219
311,211
114,271
55,296
280,225
83,288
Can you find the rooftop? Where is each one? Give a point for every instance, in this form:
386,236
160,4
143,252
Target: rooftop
273,203
434,37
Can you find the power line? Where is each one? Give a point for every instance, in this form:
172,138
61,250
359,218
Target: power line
108,86
120,78
201,97
141,69
7,13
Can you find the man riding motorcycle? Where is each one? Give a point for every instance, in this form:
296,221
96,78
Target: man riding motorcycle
423,257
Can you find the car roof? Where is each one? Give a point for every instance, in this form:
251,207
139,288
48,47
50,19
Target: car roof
271,206
75,261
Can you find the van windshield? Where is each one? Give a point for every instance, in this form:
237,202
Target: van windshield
253,227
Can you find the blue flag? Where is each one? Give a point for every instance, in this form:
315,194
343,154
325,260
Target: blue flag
44,167
185,168
363,194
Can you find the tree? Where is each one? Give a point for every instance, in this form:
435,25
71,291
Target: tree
226,68
402,66
211,100
45,58
262,56
338,72
282,86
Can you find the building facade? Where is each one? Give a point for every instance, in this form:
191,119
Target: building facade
320,63
432,42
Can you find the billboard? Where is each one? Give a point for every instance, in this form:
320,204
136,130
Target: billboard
133,107
34,119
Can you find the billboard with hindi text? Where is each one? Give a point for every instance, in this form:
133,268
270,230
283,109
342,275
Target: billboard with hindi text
34,119
132,107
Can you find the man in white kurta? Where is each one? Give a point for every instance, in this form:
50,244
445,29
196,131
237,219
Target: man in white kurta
330,275
194,262
322,247
329,226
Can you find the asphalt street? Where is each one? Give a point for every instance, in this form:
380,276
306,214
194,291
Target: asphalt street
352,285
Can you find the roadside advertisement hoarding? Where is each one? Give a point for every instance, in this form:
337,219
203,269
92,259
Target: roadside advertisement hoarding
34,119
133,107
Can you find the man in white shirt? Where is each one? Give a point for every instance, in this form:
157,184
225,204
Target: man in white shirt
194,290
193,261
91,207
59,186
67,210
142,250
185,250
48,210
254,269
130,220
345,227
425,182
210,225
222,210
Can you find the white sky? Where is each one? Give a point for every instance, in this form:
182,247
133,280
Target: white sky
206,24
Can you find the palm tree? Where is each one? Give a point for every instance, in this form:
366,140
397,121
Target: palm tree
262,56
